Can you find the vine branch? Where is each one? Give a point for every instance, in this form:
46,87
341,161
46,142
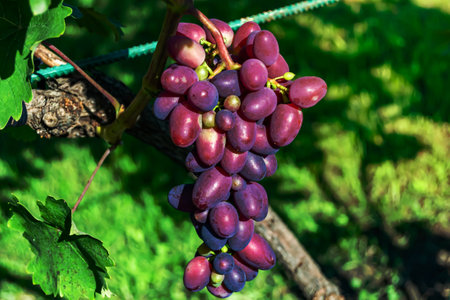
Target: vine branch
88,184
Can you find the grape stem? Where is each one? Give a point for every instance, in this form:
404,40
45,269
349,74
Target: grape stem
88,184
217,70
276,85
217,35
117,106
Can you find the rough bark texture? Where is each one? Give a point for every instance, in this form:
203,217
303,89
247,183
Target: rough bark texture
70,108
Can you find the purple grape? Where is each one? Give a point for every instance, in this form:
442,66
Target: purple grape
237,183
211,240
227,83
193,163
278,68
254,169
240,38
178,79
185,51
258,254
180,197
265,47
253,74
271,164
210,146
223,263
248,201
225,120
223,219
203,95
184,125
197,273
243,135
220,292
201,216
164,104
307,91
232,103
210,188
232,161
265,203
259,104
192,31
249,44
243,235
285,123
250,273
225,30
235,279
262,145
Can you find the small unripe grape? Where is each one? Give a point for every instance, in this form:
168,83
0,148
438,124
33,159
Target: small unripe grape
232,103
209,119
202,73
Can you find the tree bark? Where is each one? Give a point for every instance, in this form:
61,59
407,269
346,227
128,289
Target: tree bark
71,108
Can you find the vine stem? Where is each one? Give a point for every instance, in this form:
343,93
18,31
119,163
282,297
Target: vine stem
111,98
88,184
217,35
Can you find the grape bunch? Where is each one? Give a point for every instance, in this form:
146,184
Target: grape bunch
238,119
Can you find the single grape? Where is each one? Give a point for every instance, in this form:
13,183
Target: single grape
223,263
201,216
192,31
253,74
225,30
278,68
242,136
262,145
249,44
197,273
248,201
194,164
259,104
184,125
240,38
210,188
235,279
223,220
265,203
271,164
243,235
185,51
232,103
250,273
225,120
254,168
220,292
203,95
258,254
227,83
164,104
307,91
180,197
265,47
285,123
237,183
202,72
209,119
178,79
210,146
232,161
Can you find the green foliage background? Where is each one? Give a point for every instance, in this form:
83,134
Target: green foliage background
364,186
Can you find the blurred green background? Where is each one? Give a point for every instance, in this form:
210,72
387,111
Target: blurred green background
365,186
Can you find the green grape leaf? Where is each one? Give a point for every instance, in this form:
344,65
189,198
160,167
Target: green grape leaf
67,263
20,33
96,22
